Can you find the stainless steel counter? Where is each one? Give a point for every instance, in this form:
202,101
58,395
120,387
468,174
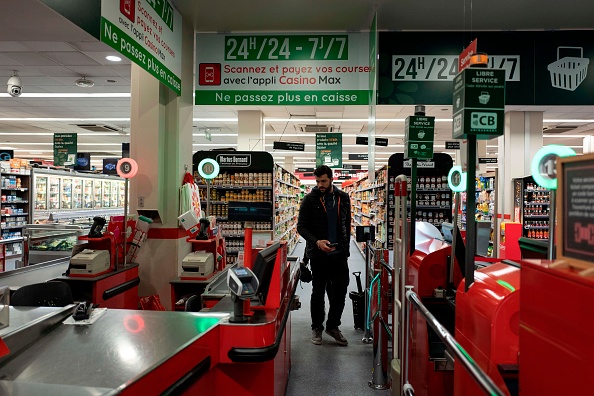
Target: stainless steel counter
122,346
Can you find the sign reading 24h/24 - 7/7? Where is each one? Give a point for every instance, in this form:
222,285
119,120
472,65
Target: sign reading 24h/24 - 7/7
284,69
479,103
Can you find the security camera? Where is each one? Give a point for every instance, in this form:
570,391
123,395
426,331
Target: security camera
15,87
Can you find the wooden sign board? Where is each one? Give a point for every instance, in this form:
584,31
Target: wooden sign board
575,214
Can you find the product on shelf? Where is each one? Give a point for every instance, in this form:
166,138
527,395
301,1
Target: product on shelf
434,197
368,205
532,205
260,181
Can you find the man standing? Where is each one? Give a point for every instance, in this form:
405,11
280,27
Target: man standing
325,224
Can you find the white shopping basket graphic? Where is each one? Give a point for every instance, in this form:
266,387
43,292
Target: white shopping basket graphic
568,72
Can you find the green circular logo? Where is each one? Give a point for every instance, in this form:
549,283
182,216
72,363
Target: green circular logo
208,168
457,179
544,165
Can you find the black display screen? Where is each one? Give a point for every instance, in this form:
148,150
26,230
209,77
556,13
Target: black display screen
578,210
250,211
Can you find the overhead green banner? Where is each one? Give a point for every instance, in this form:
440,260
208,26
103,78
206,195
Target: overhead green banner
282,69
65,149
149,33
329,149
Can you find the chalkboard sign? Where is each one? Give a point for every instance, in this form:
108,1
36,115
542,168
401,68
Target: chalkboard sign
575,216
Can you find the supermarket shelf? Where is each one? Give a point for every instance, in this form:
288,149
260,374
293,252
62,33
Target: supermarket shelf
431,190
286,195
14,202
288,184
229,187
17,173
284,221
286,232
15,189
12,227
15,215
285,208
370,188
11,240
536,203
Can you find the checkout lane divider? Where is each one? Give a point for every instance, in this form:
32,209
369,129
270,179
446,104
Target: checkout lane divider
264,354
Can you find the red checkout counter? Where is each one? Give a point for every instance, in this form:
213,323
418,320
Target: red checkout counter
427,270
132,352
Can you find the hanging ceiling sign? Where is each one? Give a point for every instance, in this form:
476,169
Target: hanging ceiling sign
291,146
149,33
282,69
329,149
452,145
464,57
365,141
65,148
541,67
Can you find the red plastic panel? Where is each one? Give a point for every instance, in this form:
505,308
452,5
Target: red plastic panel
556,325
487,324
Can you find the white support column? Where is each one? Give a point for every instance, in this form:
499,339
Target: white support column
588,145
161,144
481,153
250,126
289,164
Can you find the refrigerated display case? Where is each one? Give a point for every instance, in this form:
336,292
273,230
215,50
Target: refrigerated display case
59,191
45,242
113,200
97,194
66,193
40,193
532,208
121,194
88,194
53,200
106,194
77,194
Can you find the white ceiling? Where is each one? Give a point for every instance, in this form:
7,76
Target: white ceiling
50,53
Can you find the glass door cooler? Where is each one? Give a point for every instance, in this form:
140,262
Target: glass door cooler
66,193
97,194
53,193
77,193
122,194
40,202
88,194
106,201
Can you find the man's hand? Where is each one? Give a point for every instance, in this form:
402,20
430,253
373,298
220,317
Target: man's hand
322,244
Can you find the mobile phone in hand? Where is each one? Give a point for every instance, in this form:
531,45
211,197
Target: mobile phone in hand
335,244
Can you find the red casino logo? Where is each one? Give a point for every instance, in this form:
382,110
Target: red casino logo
209,74
127,9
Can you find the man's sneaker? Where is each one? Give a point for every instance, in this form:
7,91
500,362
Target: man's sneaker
316,336
337,335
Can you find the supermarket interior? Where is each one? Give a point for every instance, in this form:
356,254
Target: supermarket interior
155,158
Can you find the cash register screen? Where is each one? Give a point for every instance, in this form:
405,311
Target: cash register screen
263,268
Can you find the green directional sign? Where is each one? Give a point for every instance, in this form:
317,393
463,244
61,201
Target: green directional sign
65,149
329,149
479,103
419,134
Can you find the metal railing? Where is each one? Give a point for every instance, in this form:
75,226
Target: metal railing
461,356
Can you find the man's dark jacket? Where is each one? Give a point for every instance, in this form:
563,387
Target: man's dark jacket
313,222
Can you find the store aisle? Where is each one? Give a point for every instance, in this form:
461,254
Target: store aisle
329,369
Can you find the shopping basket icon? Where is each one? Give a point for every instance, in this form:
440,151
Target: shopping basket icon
568,72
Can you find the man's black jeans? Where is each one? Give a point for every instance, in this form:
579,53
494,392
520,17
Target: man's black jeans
332,273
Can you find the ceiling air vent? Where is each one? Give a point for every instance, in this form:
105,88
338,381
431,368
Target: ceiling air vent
558,129
98,128
316,128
